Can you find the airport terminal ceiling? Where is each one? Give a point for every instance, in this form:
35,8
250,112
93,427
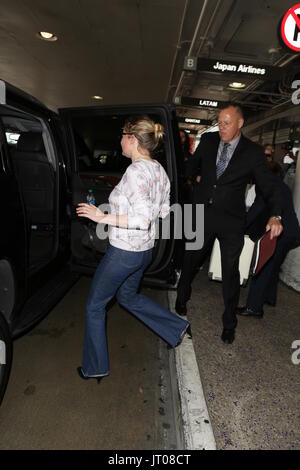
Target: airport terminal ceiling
133,51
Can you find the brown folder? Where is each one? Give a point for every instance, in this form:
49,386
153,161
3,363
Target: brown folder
263,250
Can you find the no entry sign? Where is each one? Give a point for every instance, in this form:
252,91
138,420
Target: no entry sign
290,28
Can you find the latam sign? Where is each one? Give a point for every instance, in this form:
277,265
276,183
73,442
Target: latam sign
202,102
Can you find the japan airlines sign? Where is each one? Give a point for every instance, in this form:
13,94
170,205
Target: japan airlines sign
222,66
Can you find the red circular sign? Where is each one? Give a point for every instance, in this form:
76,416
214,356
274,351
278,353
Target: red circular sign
290,28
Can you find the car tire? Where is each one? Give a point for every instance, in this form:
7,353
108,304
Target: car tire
6,354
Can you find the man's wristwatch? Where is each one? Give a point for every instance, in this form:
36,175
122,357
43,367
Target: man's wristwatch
278,217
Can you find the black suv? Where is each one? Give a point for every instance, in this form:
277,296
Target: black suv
49,161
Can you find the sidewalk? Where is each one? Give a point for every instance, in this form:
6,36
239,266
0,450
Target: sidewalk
251,387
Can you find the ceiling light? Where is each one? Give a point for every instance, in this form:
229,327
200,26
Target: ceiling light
97,97
47,36
237,85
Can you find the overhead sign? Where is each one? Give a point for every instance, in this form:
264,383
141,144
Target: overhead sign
230,67
238,68
195,121
290,28
201,102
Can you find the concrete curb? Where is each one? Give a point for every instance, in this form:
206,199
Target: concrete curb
197,429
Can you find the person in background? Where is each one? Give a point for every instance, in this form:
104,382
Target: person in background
185,144
288,165
188,184
288,159
136,202
251,193
269,151
263,287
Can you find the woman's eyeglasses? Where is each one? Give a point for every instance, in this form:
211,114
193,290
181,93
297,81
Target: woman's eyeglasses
125,133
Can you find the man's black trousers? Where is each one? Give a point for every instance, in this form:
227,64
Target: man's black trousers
231,244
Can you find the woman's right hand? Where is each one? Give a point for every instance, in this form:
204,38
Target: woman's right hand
90,212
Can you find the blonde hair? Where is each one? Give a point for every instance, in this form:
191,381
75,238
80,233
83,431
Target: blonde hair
147,132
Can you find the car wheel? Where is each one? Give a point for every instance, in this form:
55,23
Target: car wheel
5,355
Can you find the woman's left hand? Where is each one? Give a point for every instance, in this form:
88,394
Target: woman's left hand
90,212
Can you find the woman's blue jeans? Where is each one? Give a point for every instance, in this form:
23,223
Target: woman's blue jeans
120,272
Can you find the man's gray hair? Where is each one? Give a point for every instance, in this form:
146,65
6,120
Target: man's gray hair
238,108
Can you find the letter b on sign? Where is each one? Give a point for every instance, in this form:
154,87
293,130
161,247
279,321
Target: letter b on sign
190,63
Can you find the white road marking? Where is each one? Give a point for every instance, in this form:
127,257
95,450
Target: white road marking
197,428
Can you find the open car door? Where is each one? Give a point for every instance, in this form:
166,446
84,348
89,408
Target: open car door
33,160
93,137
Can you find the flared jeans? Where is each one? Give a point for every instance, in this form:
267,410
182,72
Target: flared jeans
120,272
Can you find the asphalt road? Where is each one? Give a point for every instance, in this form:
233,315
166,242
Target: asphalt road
47,406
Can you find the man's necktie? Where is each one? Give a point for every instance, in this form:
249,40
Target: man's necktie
223,160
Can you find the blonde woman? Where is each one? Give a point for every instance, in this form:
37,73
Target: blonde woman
136,202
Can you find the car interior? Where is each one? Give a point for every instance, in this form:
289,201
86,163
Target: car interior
100,166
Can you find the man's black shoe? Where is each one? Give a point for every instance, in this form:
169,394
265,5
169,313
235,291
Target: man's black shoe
180,308
228,335
248,312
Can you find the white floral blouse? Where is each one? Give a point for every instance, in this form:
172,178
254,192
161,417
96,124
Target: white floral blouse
144,195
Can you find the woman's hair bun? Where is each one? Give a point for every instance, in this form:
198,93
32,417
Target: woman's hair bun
158,131
147,132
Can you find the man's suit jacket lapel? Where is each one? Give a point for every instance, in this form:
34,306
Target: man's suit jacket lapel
214,148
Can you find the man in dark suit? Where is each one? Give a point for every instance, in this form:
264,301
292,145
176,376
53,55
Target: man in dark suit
227,162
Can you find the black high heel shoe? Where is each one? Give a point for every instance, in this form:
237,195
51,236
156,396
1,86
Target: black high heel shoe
188,331
82,376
